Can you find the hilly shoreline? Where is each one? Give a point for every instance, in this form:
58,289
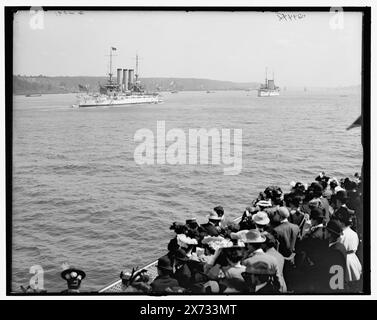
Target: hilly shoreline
23,85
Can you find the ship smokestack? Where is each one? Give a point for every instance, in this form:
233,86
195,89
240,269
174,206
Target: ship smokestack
271,84
130,78
125,80
119,73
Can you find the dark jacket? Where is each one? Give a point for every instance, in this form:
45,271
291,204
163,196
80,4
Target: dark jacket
309,250
70,291
340,254
316,232
287,235
162,283
315,261
183,276
268,289
334,256
193,234
296,217
137,287
208,229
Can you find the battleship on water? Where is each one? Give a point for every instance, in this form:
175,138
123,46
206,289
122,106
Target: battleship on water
268,88
125,90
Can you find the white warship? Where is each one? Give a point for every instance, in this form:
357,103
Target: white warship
268,88
126,90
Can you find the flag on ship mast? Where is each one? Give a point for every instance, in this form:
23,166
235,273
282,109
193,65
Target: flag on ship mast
356,123
113,48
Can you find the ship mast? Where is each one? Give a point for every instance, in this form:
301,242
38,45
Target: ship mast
111,67
137,68
266,77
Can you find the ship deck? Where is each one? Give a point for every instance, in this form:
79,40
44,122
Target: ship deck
116,286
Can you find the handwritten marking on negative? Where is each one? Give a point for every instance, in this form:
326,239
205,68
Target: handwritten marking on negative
283,16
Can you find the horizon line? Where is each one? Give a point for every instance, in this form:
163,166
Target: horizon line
173,77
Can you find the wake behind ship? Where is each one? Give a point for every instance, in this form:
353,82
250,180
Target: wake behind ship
126,90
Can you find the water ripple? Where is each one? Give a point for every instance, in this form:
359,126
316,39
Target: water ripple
79,197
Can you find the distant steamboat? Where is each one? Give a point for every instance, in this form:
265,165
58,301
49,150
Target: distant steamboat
268,88
124,91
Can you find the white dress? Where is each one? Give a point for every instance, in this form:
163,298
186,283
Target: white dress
350,240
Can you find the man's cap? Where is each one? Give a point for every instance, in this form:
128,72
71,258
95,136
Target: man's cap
283,212
191,221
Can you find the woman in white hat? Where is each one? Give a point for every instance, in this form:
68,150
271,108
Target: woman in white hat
261,220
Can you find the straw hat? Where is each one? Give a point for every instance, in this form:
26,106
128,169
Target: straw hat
264,203
261,218
216,242
214,216
261,267
238,235
185,241
338,188
249,236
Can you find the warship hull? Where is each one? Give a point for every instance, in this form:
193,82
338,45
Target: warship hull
268,93
117,102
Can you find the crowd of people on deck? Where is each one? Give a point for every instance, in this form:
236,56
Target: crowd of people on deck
304,241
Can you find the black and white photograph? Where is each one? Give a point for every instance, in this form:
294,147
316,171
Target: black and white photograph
188,151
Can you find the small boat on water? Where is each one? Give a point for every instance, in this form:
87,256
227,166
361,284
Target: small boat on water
268,89
33,95
126,90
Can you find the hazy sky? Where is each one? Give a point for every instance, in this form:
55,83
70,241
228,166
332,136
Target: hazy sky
234,46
